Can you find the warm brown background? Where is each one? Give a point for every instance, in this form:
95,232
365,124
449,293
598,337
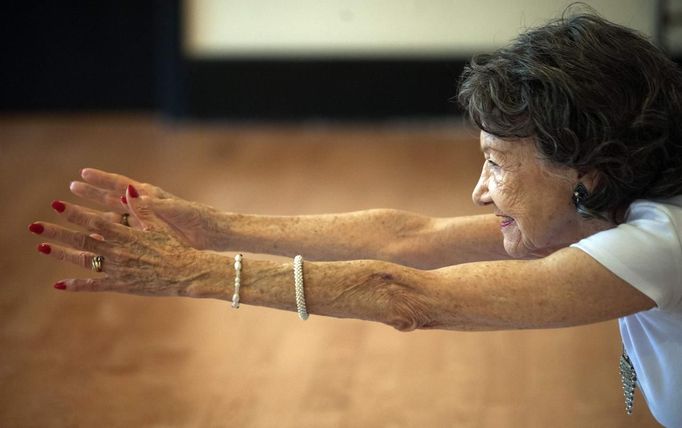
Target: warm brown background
110,360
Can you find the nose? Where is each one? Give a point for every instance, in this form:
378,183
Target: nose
480,195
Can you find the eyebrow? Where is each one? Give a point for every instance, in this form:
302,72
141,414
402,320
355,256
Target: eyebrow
488,148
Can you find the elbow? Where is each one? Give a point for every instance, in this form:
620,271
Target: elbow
407,310
403,324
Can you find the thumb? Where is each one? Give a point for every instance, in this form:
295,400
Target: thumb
139,207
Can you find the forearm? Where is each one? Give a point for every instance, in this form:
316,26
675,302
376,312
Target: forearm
553,292
379,234
369,234
363,289
401,297
455,298
451,241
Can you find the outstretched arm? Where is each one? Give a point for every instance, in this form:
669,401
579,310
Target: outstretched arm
381,234
564,289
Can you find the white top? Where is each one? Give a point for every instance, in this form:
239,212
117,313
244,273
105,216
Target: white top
646,251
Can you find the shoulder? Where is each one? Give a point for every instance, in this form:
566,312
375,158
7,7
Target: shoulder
645,251
666,211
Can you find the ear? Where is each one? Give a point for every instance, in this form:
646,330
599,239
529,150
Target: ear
589,179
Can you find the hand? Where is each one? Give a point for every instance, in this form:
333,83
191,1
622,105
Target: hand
189,222
148,262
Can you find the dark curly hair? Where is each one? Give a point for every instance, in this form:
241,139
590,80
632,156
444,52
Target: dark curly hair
595,96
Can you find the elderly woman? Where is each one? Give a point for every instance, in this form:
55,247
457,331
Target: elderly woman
580,133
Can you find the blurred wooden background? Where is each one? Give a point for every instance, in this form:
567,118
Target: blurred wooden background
111,360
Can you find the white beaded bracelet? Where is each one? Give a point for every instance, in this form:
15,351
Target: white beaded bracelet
237,280
298,284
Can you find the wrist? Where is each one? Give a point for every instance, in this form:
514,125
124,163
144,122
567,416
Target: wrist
216,278
220,230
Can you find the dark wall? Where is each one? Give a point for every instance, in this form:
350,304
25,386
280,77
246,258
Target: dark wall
78,55
70,56
123,55
352,89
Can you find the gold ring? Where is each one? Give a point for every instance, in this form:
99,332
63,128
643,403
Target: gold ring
124,219
97,263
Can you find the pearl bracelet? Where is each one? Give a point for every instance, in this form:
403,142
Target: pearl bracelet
237,280
298,285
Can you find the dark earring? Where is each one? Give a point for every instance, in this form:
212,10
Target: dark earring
579,194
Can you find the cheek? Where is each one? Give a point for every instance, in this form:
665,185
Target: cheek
544,219
509,198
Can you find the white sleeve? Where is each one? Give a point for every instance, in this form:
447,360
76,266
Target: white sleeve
645,252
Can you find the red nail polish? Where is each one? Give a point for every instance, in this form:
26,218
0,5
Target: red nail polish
132,191
58,206
44,248
36,228
60,285
124,201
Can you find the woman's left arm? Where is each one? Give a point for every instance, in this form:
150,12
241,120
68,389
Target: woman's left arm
564,289
567,288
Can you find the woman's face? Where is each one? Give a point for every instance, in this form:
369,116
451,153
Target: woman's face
531,197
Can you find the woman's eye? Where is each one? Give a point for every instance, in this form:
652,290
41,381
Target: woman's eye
491,163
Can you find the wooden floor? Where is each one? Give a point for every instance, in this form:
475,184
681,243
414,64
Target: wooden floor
110,360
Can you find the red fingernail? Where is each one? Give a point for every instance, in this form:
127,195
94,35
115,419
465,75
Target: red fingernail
124,201
60,285
36,228
58,206
44,248
132,191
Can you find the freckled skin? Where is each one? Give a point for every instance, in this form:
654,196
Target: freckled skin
155,257
518,184
381,234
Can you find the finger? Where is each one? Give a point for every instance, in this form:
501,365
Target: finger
78,257
86,284
118,218
111,217
91,220
118,183
142,211
108,198
69,237
107,180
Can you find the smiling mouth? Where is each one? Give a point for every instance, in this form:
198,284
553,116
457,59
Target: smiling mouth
505,220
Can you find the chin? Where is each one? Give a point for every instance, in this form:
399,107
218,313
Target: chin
516,250
514,242
519,250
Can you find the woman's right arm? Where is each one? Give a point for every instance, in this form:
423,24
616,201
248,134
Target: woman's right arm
379,234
